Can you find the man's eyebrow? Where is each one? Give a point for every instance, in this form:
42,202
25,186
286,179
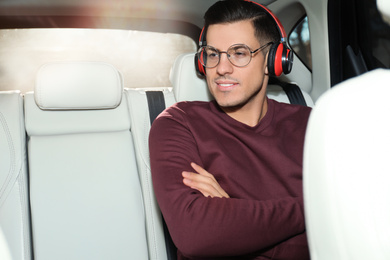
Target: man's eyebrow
238,44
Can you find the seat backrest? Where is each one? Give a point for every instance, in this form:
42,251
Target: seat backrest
346,174
4,248
140,127
86,199
14,202
188,86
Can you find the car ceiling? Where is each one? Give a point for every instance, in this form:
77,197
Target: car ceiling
187,11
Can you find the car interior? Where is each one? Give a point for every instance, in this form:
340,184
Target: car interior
81,82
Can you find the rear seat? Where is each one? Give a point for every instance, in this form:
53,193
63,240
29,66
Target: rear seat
140,126
14,206
86,198
5,254
91,191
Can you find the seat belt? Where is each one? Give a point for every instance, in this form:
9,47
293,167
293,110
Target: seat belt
156,104
292,91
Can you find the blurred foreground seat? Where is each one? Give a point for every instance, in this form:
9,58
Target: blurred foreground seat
347,171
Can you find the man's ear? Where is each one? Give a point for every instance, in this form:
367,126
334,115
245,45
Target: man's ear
266,64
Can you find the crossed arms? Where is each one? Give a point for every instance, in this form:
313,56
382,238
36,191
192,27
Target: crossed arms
204,220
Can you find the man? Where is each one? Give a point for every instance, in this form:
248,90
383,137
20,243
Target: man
228,173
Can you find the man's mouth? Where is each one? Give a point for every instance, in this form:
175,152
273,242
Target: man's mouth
226,86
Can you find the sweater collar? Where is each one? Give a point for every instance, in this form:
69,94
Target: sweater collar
261,125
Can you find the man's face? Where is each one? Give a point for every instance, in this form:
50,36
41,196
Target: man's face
231,86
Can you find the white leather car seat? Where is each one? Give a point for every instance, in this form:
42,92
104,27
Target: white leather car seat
4,248
140,127
346,171
14,202
86,198
188,86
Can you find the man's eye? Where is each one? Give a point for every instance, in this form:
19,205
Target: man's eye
212,55
240,53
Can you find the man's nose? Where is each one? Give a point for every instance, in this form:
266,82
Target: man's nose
224,66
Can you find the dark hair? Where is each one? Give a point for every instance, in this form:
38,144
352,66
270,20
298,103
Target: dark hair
229,11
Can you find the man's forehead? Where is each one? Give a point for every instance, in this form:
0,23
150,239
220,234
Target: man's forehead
241,32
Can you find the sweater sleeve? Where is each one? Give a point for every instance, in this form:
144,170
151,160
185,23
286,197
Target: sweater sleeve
211,227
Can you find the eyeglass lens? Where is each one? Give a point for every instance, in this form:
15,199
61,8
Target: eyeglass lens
238,55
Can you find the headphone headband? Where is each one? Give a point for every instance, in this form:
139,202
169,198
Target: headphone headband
201,42
281,30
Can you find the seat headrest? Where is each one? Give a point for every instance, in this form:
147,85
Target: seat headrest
187,85
384,8
78,86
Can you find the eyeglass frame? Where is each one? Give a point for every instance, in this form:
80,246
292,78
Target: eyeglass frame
226,52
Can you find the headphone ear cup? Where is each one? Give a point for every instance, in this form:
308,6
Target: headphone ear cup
287,59
280,59
200,69
197,65
271,59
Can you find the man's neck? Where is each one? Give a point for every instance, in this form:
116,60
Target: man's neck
249,114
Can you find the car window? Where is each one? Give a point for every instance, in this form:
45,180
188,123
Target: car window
374,35
134,53
299,40
359,39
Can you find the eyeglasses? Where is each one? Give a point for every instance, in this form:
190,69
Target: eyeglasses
239,55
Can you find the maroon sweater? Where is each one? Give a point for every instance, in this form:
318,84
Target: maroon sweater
259,167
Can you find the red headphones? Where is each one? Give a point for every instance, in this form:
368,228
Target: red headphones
280,56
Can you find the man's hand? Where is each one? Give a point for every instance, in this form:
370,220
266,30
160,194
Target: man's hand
204,182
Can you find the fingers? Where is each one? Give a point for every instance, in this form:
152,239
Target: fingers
202,171
210,178
204,182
